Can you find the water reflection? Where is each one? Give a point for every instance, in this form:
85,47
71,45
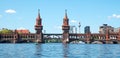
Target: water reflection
109,51
87,51
65,50
59,50
76,51
38,50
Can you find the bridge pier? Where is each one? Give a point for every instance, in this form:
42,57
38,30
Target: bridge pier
65,38
14,41
88,38
39,38
107,42
15,38
88,42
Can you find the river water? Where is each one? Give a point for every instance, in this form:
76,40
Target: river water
59,50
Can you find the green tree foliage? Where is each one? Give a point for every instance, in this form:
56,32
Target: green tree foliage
6,31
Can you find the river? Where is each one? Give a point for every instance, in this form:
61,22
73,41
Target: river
59,50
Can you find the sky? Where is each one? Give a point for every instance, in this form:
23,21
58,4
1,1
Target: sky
21,14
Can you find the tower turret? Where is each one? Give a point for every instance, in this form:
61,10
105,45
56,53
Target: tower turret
65,28
38,28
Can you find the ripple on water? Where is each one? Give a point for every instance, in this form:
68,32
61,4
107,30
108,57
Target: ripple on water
58,50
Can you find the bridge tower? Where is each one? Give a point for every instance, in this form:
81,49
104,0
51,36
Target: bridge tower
65,28
39,28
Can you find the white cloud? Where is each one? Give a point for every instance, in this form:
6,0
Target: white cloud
114,16
10,11
73,21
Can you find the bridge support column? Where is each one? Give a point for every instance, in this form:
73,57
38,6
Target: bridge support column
15,39
118,35
118,39
107,37
65,37
88,38
39,38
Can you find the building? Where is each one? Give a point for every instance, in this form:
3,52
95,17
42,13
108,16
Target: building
23,35
73,29
22,31
103,29
87,29
116,29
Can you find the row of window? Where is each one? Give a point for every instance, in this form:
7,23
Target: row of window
21,36
83,37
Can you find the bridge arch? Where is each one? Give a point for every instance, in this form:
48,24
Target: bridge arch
98,42
115,42
5,41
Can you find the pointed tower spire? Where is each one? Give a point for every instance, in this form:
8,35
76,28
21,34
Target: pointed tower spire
65,19
65,14
38,14
38,19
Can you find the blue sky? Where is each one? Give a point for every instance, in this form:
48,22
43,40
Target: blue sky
15,14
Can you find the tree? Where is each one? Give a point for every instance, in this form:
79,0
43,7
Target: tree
6,31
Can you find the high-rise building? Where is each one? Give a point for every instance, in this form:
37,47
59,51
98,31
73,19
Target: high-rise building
103,29
87,29
73,29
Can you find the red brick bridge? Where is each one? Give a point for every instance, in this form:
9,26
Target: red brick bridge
65,37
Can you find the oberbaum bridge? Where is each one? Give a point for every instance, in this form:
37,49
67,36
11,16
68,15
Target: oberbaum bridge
65,37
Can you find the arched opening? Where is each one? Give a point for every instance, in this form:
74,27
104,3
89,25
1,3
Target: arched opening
5,41
97,42
52,40
103,42
115,42
23,41
78,42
